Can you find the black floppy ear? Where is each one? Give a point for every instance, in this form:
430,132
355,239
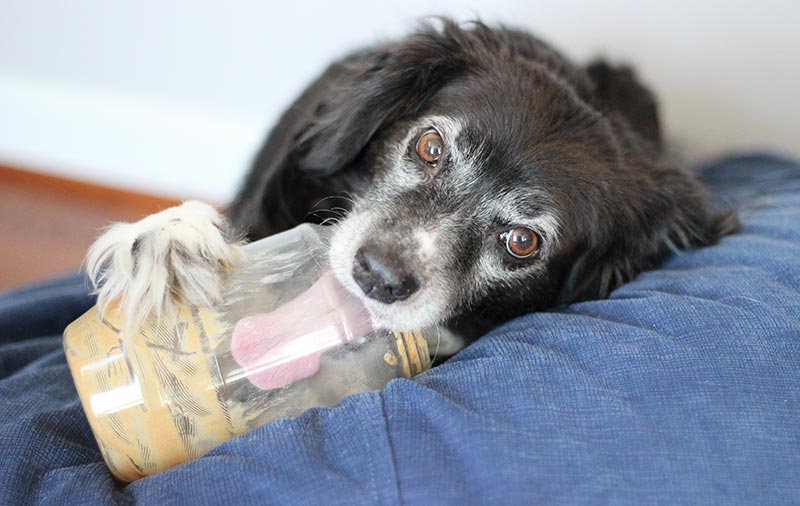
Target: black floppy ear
668,211
619,89
619,258
349,115
382,86
330,124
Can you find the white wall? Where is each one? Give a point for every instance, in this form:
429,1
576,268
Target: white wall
173,97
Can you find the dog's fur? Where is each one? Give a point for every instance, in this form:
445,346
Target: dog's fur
572,153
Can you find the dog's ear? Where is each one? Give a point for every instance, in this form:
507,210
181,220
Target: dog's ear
377,88
331,123
619,89
666,211
684,222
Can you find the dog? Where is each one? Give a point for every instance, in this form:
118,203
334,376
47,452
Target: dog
472,174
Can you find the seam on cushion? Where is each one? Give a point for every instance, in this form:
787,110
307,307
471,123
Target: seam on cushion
645,330
576,366
391,450
717,302
771,276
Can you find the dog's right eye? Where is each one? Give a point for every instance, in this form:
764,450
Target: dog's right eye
430,147
520,242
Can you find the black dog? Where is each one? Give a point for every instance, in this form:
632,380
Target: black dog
480,175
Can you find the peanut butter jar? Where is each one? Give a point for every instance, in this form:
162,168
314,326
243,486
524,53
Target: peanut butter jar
287,339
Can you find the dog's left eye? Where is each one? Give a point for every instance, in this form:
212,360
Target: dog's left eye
520,242
430,147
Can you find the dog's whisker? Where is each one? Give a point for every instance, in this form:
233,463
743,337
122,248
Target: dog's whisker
349,197
338,214
323,199
330,221
438,342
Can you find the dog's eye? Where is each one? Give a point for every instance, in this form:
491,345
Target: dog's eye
521,242
430,147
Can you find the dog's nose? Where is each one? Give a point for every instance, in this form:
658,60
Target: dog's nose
382,275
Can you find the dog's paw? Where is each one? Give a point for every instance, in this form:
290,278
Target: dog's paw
177,256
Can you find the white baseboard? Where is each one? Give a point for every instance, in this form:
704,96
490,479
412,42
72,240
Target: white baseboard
130,142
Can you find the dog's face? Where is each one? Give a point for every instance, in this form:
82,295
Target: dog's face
490,177
443,227
473,206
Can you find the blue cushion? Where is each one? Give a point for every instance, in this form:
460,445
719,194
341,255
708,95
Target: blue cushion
682,387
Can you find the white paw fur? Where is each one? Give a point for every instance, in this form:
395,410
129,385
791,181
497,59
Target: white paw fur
177,256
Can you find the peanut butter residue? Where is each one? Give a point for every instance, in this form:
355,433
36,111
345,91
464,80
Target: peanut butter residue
389,358
154,399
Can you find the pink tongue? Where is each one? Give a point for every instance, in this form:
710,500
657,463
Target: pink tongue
278,348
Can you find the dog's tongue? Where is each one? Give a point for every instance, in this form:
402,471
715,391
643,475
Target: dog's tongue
278,348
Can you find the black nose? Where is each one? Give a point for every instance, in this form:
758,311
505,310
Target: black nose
382,275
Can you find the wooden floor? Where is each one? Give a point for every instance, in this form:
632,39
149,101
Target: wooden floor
47,223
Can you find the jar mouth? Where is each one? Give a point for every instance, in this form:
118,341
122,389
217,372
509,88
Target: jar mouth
412,349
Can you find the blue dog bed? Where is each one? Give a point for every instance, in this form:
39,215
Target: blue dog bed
682,387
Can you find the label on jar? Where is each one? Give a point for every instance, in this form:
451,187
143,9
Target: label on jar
154,399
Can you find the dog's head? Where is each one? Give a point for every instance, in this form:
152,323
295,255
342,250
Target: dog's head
492,178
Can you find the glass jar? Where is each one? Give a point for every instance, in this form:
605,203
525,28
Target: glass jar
287,338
